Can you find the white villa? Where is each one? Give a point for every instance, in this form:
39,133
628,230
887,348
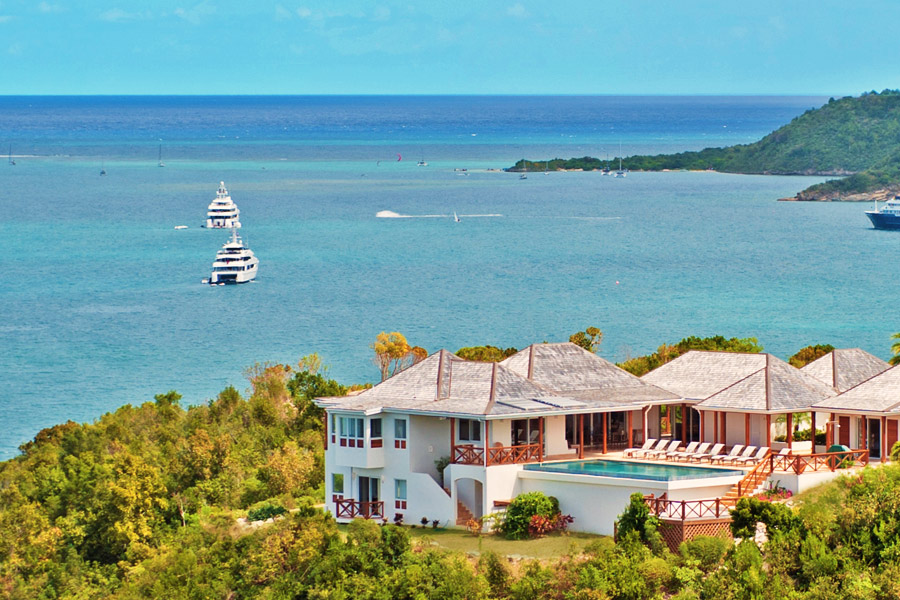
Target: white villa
524,424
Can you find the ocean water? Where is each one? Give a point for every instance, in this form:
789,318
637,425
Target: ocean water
101,302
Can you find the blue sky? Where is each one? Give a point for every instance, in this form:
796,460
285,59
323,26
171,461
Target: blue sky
822,47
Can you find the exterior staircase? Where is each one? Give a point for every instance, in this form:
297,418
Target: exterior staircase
752,481
463,514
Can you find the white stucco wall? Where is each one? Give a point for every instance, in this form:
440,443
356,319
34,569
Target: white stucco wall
429,440
555,436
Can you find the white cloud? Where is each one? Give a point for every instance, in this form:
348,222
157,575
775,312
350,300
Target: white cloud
117,15
44,7
197,14
517,10
281,13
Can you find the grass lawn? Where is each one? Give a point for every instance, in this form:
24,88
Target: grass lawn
460,540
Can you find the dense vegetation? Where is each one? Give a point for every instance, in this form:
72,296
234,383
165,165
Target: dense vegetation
147,503
644,364
855,136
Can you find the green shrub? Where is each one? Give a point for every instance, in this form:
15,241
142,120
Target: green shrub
522,509
707,551
637,518
895,452
266,511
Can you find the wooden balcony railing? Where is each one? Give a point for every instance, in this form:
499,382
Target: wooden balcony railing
348,508
467,455
498,455
826,461
514,455
690,509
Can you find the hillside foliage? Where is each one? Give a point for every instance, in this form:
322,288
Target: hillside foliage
858,137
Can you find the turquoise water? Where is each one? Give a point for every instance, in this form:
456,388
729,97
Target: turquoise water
100,298
632,470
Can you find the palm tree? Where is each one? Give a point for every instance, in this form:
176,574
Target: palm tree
895,348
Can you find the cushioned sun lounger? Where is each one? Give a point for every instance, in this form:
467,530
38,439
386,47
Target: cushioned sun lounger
735,451
647,445
706,453
692,447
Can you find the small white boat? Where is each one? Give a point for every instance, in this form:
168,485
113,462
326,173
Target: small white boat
421,163
222,212
181,227
235,262
160,163
455,217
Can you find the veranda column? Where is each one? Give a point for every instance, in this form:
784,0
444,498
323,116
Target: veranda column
605,415
884,439
724,426
715,416
746,429
487,443
768,430
863,433
790,429
541,439
452,440
684,422
702,418
644,412
630,423
581,436
812,429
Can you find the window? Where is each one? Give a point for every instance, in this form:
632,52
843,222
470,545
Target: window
375,433
400,494
400,433
350,430
525,431
469,430
333,427
337,486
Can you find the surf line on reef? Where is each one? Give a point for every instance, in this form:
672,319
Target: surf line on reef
389,214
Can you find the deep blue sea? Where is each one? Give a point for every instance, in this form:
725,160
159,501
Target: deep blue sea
101,302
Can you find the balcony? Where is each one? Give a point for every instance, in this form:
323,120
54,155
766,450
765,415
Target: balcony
497,455
347,508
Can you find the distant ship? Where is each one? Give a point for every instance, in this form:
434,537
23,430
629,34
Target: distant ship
222,212
888,216
235,263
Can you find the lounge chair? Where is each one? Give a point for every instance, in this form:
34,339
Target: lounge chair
747,453
705,452
654,454
752,460
735,452
660,444
647,445
692,447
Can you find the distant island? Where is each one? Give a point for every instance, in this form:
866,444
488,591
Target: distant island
854,138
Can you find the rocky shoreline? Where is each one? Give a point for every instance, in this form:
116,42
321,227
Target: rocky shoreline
880,195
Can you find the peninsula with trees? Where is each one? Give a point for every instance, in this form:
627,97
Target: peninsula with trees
855,139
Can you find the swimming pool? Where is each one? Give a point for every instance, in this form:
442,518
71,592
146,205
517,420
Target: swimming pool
633,470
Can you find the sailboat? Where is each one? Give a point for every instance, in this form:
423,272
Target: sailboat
11,161
455,217
160,163
605,170
620,172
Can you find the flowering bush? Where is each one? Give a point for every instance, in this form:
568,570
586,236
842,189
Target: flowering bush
541,525
775,493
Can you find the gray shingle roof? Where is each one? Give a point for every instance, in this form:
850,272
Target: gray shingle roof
698,374
845,368
880,394
777,387
573,371
474,388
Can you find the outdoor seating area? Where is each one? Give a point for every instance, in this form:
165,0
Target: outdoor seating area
739,455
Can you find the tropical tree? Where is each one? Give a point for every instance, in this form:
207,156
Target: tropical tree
895,348
806,355
589,339
393,353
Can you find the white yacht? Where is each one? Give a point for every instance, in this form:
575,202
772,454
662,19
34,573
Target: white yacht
235,263
222,212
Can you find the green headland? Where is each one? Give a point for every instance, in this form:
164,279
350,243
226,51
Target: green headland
855,139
